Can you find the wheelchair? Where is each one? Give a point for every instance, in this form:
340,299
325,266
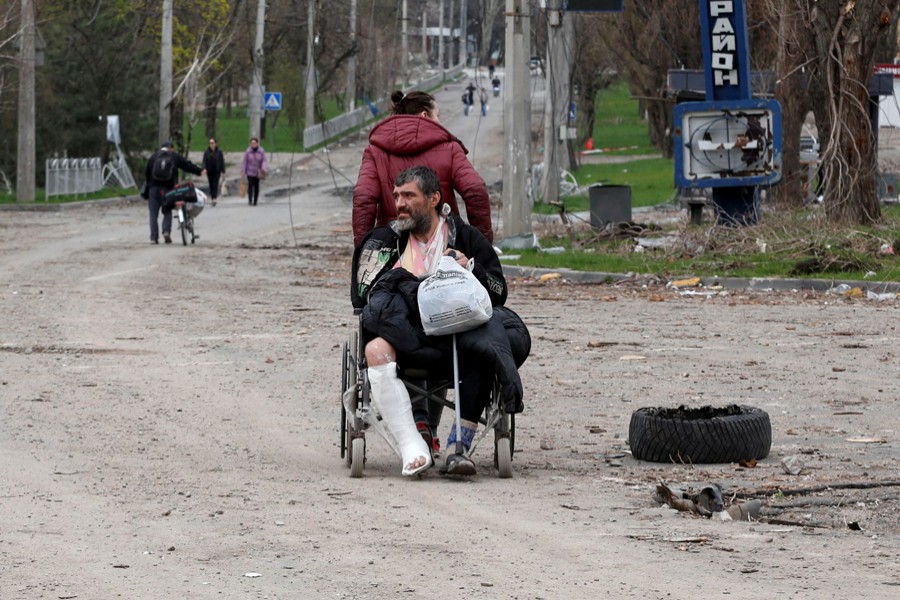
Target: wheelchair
358,416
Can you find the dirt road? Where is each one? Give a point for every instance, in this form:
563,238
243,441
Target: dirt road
170,426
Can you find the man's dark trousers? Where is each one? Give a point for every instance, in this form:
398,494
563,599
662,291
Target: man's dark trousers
157,196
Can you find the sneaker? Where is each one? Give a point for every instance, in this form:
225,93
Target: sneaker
168,238
154,241
458,464
436,447
425,432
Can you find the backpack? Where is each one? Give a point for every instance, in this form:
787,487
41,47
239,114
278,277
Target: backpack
163,169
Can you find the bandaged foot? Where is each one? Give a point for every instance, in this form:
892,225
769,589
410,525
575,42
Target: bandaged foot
391,400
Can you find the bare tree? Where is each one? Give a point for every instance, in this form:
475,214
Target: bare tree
845,37
792,68
490,10
200,66
652,36
593,72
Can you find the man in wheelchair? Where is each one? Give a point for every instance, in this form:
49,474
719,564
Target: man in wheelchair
387,268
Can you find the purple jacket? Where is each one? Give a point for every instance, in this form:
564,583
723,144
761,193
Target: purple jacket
254,162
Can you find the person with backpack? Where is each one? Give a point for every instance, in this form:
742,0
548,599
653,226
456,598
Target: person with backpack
162,175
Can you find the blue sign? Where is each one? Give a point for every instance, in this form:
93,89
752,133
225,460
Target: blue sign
272,101
723,26
723,144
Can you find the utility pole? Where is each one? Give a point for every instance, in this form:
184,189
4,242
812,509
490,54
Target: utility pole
165,74
463,36
560,38
25,165
311,66
516,215
441,36
424,34
256,86
404,60
351,64
450,36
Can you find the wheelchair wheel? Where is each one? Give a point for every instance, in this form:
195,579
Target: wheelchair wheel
349,380
345,437
503,457
504,445
357,457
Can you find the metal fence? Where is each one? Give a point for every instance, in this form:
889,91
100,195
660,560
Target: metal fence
320,132
118,174
68,176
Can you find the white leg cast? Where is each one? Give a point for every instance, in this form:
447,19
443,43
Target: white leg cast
391,399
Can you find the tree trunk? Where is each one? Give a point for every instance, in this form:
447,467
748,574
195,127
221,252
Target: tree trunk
846,36
212,103
790,91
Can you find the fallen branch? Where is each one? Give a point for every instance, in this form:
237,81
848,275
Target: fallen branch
857,485
772,521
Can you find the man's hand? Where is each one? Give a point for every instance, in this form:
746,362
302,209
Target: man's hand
461,258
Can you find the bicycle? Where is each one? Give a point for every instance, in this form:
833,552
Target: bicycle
186,221
187,203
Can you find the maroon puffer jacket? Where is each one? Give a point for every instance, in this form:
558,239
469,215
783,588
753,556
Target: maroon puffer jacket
404,141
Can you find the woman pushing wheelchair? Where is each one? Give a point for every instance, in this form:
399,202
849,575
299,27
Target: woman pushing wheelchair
388,266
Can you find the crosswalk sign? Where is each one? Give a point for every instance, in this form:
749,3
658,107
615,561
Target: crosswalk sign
272,101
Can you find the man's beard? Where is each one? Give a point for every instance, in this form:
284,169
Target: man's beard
415,223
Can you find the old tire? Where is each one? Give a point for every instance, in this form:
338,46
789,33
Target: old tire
700,435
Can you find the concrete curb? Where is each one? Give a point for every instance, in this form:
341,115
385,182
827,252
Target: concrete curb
727,283
59,207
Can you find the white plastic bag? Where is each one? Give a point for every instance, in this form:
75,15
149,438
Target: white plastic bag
195,208
452,300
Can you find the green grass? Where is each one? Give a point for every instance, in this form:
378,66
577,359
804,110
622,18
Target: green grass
651,182
233,134
618,126
799,244
767,265
7,198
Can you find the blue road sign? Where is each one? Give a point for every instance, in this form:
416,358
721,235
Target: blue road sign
272,101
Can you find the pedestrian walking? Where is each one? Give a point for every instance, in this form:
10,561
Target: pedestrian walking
162,176
469,97
413,135
483,96
253,169
214,163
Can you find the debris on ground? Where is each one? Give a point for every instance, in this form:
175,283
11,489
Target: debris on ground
707,502
793,465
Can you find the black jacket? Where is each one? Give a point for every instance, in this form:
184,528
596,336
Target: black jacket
381,249
388,298
214,161
180,163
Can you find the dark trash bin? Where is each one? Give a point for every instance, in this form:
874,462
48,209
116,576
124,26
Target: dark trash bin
609,204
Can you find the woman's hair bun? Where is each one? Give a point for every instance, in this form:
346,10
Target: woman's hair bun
397,96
